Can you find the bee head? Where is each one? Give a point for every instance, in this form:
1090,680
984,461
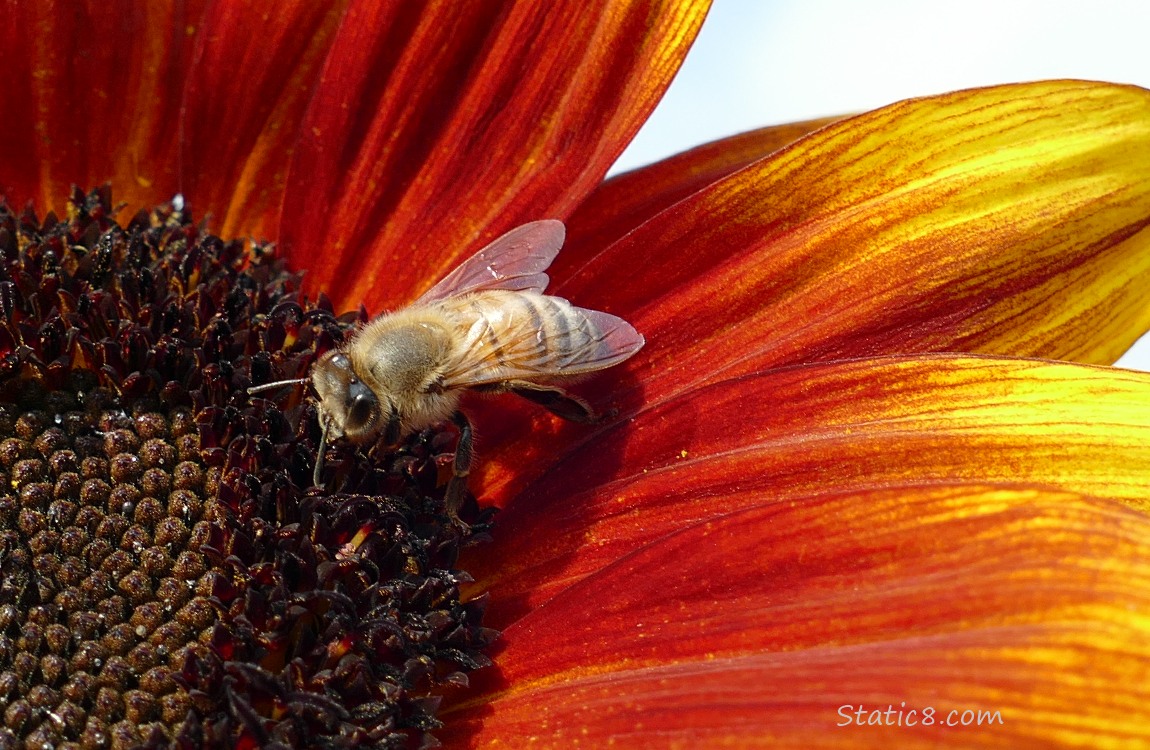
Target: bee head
348,407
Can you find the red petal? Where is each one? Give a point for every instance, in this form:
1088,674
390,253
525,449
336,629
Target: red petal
805,431
254,73
756,627
438,126
91,93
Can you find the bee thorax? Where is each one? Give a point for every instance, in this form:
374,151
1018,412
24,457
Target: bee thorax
403,359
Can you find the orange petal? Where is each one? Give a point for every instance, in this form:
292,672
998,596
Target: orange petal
624,202
91,93
769,625
254,73
816,429
440,125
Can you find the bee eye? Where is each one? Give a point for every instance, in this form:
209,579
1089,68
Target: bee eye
362,407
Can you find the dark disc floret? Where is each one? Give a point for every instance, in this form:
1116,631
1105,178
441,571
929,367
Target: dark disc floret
168,576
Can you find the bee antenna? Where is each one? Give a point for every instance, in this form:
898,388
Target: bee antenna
268,386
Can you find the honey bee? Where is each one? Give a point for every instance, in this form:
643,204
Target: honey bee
486,327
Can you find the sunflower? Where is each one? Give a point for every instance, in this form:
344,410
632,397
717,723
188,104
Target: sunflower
871,480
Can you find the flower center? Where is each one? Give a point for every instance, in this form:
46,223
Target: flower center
167,574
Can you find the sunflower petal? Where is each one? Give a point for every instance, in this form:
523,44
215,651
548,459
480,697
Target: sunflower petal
253,76
770,625
463,129
817,429
624,202
1009,220
91,92
1001,220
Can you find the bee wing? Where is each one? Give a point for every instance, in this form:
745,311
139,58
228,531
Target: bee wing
582,341
617,341
515,261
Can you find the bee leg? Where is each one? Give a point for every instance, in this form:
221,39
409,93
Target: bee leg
460,468
555,400
316,478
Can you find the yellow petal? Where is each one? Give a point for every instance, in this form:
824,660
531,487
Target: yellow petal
1009,220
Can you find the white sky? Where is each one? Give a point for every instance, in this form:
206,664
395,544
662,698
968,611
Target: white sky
763,62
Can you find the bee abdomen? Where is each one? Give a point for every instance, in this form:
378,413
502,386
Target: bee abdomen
568,332
525,330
